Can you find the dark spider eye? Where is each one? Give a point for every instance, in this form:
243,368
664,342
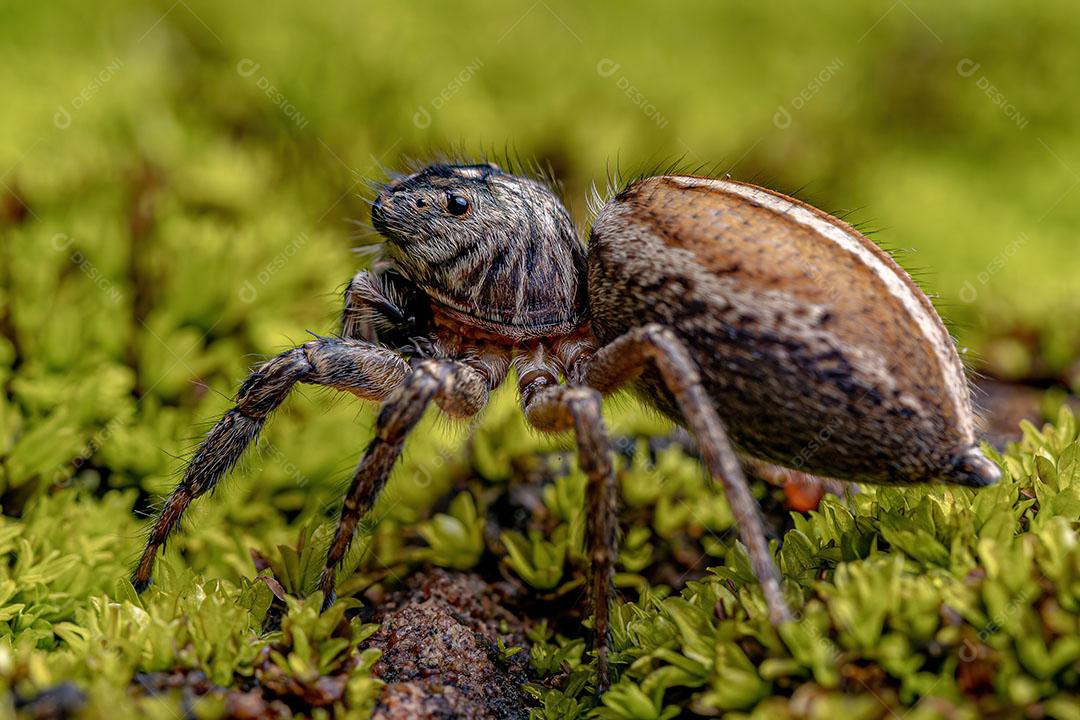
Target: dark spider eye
456,204
419,202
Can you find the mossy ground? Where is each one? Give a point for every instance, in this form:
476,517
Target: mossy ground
176,181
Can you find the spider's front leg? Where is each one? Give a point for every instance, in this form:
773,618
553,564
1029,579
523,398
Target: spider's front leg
384,308
621,361
459,390
354,366
554,408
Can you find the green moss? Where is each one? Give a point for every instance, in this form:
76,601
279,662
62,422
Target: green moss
921,598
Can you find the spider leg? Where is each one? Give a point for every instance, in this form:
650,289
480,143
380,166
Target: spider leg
361,368
554,408
458,389
383,307
621,361
803,490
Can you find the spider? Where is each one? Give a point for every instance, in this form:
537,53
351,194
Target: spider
761,324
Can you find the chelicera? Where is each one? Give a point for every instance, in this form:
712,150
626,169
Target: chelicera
763,325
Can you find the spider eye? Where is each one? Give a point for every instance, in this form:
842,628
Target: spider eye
456,204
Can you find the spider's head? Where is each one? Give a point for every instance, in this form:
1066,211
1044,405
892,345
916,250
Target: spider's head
499,250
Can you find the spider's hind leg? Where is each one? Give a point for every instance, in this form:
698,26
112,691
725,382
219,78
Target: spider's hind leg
621,361
361,368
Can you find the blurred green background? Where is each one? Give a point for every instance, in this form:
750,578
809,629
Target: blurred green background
176,181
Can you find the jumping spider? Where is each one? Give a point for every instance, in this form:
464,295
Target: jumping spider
753,319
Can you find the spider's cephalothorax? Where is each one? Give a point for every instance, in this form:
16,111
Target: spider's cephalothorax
496,250
722,303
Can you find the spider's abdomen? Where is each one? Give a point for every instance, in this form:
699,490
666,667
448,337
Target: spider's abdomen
818,350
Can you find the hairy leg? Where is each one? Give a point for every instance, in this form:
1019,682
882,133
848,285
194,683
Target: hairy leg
368,371
458,389
383,307
621,361
554,408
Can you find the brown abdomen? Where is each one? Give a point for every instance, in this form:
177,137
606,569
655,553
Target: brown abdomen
819,351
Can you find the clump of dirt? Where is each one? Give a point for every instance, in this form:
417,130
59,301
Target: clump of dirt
441,657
